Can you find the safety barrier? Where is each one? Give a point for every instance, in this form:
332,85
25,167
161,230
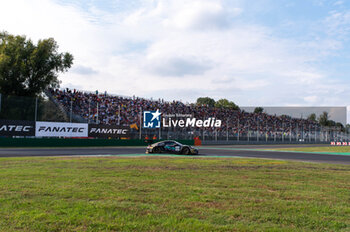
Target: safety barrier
56,142
340,143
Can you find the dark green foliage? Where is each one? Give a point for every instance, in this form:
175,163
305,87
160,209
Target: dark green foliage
312,117
258,110
339,125
323,119
224,103
27,69
206,101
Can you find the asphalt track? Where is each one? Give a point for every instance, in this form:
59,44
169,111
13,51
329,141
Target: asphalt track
249,151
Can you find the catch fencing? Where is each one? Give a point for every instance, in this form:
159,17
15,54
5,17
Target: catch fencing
319,135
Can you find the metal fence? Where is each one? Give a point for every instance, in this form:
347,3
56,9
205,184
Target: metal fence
319,135
31,109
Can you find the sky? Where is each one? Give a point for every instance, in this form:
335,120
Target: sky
252,52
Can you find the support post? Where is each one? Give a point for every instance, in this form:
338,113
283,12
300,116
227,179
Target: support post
227,130
119,115
238,130
290,132
248,132
89,110
97,122
140,135
36,110
257,130
71,110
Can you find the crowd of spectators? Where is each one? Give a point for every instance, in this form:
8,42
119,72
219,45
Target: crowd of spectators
108,109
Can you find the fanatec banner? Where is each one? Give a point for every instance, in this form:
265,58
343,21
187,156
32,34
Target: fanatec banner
105,131
17,128
61,129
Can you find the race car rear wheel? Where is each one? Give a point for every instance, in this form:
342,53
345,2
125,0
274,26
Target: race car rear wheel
186,151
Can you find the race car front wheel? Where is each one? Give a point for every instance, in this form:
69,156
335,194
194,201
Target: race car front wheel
186,151
156,150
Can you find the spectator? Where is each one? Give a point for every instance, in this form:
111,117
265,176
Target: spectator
118,110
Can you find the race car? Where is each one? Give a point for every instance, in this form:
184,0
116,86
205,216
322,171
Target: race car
173,147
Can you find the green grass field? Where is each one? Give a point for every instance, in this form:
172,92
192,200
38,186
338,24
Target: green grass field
330,149
172,194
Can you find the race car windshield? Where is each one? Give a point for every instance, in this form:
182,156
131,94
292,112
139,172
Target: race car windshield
172,143
169,143
157,144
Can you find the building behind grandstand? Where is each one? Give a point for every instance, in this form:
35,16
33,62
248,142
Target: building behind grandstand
335,113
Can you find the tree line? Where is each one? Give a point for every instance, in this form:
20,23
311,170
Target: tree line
324,120
27,69
222,103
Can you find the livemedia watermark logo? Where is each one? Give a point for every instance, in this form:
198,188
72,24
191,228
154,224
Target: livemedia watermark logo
153,119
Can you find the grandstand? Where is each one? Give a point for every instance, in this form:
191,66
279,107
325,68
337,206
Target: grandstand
70,105
108,109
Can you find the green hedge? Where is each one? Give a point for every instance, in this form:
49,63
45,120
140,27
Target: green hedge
56,142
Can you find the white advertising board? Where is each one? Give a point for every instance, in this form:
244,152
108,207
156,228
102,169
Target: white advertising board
61,129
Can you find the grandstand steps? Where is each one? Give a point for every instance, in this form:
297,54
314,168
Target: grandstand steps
65,115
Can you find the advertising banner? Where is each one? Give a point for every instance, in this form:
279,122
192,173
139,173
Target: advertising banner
17,128
106,131
61,129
